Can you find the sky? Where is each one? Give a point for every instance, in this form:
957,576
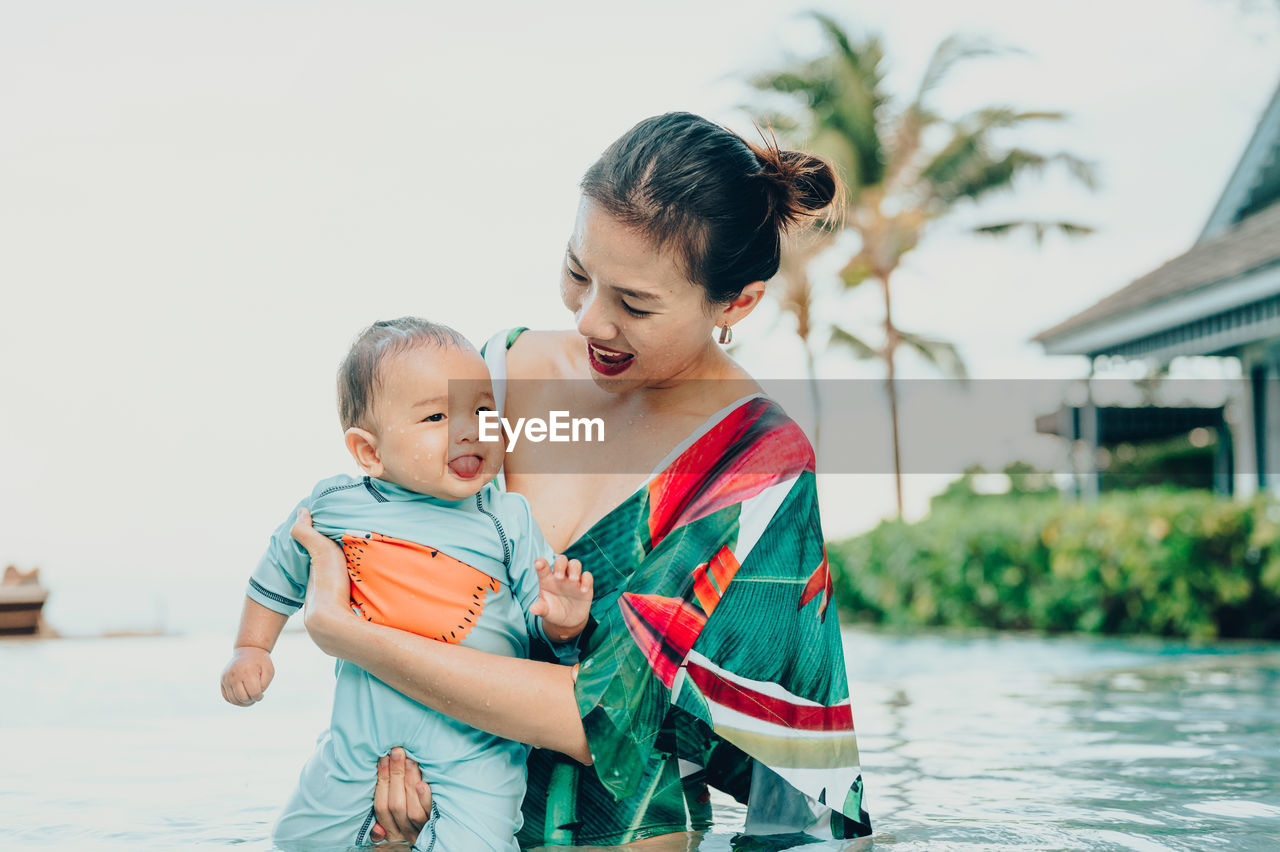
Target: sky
202,203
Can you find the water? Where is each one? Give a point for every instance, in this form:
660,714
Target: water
968,743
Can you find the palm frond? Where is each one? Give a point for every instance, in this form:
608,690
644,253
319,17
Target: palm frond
951,160
805,79
999,229
781,124
940,353
848,340
904,141
857,81
857,270
864,56
842,151
975,173
1038,229
1074,229
835,105
985,176
842,94
967,169
1084,171
995,117
950,52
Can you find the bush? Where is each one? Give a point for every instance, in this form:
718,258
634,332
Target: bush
1163,562
1176,461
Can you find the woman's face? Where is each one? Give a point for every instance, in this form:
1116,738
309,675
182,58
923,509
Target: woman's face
645,324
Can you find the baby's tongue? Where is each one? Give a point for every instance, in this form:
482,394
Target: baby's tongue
465,466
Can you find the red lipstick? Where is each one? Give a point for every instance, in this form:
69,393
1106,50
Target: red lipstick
606,361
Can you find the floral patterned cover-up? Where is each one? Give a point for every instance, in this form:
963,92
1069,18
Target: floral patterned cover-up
713,655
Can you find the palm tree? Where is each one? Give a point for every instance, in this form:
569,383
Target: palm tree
905,166
797,299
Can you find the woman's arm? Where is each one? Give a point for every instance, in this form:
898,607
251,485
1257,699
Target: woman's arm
521,700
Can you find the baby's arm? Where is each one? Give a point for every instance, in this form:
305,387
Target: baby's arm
564,597
250,671
275,592
556,597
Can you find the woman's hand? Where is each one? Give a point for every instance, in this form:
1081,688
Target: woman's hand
486,691
328,588
401,800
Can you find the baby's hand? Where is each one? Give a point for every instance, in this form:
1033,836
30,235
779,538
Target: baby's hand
247,676
565,600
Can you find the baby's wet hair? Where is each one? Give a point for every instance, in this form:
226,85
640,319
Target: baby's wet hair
359,374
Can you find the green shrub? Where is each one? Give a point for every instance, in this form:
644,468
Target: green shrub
1170,563
1175,461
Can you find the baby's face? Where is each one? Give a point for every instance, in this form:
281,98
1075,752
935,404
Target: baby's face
427,440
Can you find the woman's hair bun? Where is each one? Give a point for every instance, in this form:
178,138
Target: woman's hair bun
720,202
802,185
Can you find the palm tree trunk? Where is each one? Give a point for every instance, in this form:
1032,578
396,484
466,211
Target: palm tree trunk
812,370
890,348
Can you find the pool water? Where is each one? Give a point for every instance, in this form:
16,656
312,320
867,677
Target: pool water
983,742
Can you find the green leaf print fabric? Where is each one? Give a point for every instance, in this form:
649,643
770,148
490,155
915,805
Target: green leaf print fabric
713,656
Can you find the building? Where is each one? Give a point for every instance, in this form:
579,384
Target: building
1220,298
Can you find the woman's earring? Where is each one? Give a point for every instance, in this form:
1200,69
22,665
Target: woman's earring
726,334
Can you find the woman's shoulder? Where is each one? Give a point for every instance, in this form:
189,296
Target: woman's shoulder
543,354
760,436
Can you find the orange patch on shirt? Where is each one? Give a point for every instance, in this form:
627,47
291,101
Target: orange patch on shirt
414,587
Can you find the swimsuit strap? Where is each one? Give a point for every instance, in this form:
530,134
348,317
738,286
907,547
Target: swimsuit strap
508,337
494,353
514,334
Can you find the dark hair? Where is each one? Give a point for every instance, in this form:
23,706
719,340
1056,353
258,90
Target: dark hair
358,374
721,202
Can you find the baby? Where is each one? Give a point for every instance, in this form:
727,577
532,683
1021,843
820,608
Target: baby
432,547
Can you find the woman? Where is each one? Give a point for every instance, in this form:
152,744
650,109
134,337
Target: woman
712,656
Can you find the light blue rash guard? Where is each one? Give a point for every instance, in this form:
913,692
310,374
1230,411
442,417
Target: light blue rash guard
477,779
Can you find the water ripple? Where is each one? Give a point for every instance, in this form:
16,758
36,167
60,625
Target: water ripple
969,743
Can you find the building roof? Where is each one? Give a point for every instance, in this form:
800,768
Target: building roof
1255,183
1248,245
1241,237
